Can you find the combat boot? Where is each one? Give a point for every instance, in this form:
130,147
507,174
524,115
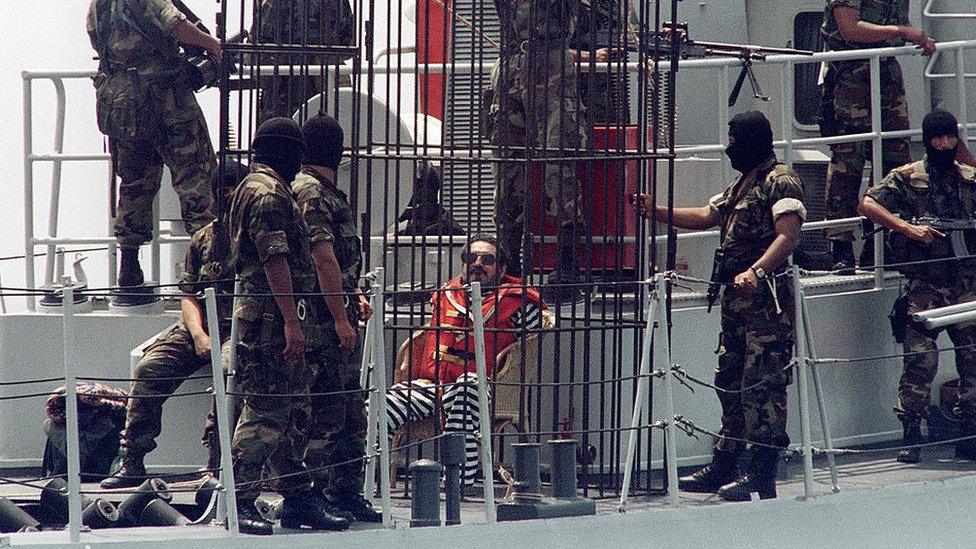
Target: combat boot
913,437
843,252
131,282
722,470
250,521
760,478
306,508
966,449
562,282
356,505
131,474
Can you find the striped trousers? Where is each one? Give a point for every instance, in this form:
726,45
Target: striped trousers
417,399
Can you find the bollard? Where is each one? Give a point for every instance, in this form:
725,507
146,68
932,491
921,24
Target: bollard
130,510
98,513
205,497
563,468
426,506
15,519
160,513
452,456
527,466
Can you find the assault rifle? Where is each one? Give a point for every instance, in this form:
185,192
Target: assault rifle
698,49
954,229
203,68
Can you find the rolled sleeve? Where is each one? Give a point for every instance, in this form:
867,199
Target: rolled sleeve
832,4
267,226
715,203
318,217
888,192
161,13
789,205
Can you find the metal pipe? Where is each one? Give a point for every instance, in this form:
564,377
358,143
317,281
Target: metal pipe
379,373
55,205
223,421
71,416
962,113
154,243
927,12
28,191
801,375
651,304
819,392
670,448
787,108
877,162
922,316
369,479
949,320
231,366
484,412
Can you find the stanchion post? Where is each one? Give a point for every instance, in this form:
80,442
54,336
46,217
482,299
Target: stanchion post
484,413
221,409
670,450
650,305
365,380
379,375
801,376
231,388
71,415
819,393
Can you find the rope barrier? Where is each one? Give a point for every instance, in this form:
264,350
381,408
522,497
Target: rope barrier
143,379
690,428
677,369
301,395
198,472
897,355
31,381
656,373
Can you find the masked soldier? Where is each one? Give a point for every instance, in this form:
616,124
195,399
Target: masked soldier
759,216
337,434
269,250
185,348
846,105
145,106
935,187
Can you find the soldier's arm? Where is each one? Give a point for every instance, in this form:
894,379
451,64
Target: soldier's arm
701,218
191,311
853,29
876,212
187,33
330,280
278,273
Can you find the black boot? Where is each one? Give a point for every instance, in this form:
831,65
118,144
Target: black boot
913,436
966,449
307,508
722,470
843,252
561,282
249,521
760,478
356,505
131,474
130,272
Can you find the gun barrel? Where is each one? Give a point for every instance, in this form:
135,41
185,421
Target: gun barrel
750,48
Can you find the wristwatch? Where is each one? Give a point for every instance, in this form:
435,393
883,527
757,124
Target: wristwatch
760,272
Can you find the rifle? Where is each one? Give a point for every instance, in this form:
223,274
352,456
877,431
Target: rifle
202,67
954,229
688,48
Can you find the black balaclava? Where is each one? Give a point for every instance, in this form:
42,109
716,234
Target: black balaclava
936,124
753,138
323,136
279,143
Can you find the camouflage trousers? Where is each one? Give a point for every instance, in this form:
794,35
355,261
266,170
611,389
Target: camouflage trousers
537,113
920,369
337,432
754,366
847,95
166,363
175,135
274,419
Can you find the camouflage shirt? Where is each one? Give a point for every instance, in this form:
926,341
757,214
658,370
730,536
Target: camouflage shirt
548,23
912,191
202,267
330,219
750,207
135,34
265,221
879,12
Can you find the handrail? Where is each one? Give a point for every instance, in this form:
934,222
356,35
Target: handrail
927,12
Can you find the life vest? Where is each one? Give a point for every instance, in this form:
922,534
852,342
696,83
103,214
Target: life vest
449,352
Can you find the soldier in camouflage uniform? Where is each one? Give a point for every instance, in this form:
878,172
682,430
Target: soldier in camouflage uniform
337,434
846,105
759,216
185,348
309,22
941,188
537,106
147,109
269,251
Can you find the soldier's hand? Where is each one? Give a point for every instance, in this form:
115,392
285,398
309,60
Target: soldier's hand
347,334
294,342
643,204
365,308
918,37
201,346
922,233
746,282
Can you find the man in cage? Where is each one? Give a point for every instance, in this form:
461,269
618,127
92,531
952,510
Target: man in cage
845,106
936,188
759,216
145,106
270,253
185,348
337,432
309,22
447,356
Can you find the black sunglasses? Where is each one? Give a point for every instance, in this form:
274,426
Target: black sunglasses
470,257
